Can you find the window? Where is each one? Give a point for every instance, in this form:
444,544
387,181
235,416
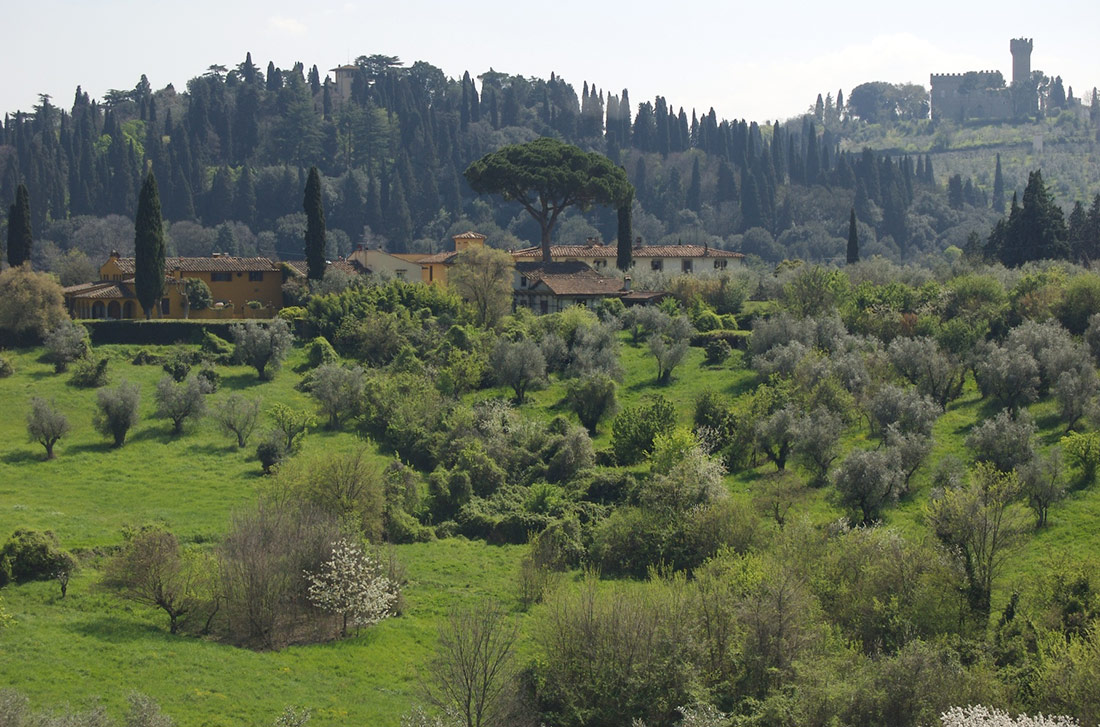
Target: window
400,273
220,277
600,263
523,281
657,264
543,307
255,276
685,266
719,264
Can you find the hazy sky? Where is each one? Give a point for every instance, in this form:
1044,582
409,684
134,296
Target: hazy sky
756,60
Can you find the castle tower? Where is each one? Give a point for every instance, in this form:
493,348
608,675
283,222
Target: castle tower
1021,59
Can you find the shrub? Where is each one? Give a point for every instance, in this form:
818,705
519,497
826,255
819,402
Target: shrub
210,377
30,303
338,390
180,401
1080,302
89,374
635,428
6,367
32,556
592,398
262,346
177,363
45,424
320,351
216,346
271,451
717,351
66,343
197,294
117,411
291,424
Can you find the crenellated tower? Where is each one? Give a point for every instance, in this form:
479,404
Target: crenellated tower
1021,59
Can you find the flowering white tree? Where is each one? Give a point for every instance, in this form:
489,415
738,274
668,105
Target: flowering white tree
979,716
352,585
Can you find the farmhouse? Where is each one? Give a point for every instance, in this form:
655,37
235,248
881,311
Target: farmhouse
671,259
552,287
242,287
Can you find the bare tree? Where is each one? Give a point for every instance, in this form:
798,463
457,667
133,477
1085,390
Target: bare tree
473,663
152,570
237,415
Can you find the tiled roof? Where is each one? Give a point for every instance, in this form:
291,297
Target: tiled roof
301,267
611,251
470,235
100,290
439,258
569,278
221,263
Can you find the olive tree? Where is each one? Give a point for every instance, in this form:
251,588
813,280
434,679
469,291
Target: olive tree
1010,376
866,482
45,424
904,409
669,344
180,401
153,570
1004,442
935,373
117,411
816,442
483,277
592,397
519,365
262,345
237,415
1042,483
338,391
65,343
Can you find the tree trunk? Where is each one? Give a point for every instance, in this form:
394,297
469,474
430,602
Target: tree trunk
545,241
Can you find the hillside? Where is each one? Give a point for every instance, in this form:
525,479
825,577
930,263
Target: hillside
231,150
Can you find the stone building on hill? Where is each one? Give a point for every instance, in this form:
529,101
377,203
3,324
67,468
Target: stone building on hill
983,95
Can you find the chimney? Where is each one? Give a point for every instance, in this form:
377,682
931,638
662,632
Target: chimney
638,241
626,283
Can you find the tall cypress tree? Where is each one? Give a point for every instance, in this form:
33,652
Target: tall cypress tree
19,228
853,239
626,233
149,247
315,226
998,189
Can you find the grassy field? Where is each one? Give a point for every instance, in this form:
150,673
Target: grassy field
92,645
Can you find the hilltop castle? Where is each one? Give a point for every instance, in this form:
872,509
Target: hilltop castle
983,95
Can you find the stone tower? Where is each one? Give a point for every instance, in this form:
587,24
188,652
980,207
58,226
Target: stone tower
1021,59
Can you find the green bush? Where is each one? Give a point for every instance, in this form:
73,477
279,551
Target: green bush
6,367
89,374
210,377
30,555
320,351
717,351
635,428
272,451
216,347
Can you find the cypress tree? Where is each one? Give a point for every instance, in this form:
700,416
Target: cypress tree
19,228
853,239
626,233
149,247
695,189
998,189
315,226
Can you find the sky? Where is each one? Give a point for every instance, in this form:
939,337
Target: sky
757,61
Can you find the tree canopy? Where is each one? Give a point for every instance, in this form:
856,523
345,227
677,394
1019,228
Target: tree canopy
547,176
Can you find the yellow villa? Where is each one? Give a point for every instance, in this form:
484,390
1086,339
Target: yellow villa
242,287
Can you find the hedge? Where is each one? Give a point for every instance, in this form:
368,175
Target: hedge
155,333
736,339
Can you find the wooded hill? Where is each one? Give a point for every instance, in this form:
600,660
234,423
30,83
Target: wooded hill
230,154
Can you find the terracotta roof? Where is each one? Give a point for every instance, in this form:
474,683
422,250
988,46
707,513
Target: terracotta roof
569,278
444,258
221,263
470,235
301,267
101,290
611,251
